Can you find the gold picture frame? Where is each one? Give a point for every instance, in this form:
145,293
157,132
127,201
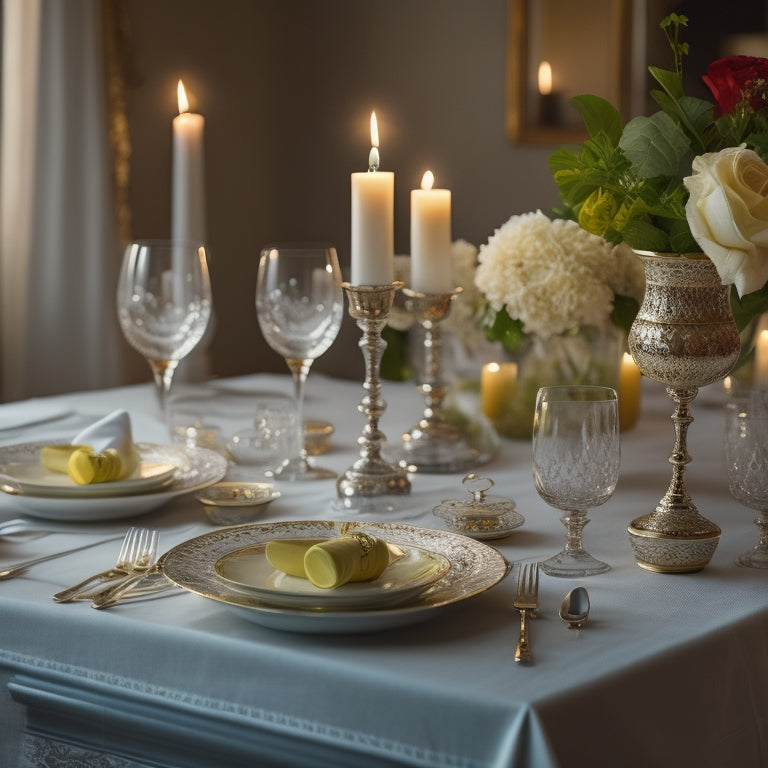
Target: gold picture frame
587,47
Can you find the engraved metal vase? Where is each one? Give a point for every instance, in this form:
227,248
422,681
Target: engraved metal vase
685,337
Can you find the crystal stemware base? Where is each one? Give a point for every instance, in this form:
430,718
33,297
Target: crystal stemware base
573,565
757,557
573,561
299,469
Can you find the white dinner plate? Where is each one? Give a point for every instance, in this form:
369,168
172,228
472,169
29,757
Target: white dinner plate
475,568
27,475
413,570
195,469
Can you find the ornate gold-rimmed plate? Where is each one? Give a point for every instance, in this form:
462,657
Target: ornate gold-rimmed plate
474,568
413,569
195,469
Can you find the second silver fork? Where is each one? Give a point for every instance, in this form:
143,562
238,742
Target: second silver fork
131,553
144,564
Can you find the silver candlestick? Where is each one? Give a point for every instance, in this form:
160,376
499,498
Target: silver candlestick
371,476
434,445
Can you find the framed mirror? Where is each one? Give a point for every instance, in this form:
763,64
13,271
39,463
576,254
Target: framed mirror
558,49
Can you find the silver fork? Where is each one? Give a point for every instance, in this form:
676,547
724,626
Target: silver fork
123,565
526,601
144,562
153,581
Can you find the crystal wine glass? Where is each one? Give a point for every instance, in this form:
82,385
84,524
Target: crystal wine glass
164,303
576,456
746,451
299,305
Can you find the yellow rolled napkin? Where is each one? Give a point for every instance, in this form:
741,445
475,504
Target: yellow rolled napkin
101,453
332,562
287,555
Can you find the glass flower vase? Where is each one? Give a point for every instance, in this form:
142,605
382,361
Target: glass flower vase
588,355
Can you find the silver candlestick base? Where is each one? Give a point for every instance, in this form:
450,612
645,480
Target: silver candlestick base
371,476
434,445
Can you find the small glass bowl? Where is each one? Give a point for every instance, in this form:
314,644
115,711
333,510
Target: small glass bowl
482,517
317,437
234,503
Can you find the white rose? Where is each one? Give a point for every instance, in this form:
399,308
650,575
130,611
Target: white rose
728,214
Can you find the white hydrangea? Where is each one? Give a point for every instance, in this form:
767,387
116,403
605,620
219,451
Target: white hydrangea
554,276
464,318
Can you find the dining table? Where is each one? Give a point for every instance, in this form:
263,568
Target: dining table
671,669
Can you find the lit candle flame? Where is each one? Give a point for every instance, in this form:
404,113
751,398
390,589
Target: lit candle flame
545,78
181,95
373,157
374,131
427,180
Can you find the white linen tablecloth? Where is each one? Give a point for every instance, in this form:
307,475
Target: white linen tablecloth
670,669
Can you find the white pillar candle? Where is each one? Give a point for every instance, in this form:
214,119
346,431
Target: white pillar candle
373,217
188,193
431,238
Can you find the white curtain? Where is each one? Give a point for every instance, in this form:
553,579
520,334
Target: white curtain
59,247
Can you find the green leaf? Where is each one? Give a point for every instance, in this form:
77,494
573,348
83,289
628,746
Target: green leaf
599,116
669,81
749,306
656,146
697,112
506,330
759,143
680,237
625,310
645,236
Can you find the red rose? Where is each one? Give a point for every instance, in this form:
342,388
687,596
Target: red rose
735,79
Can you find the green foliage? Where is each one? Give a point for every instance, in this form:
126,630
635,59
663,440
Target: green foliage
624,312
505,329
625,183
749,306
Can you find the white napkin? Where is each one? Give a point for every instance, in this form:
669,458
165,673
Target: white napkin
112,431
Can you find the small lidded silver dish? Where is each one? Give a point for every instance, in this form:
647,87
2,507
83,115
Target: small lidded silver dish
482,516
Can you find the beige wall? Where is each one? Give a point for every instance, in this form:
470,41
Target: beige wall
287,87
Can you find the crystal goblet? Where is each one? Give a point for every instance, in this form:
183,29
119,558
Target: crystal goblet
576,456
746,451
164,303
299,305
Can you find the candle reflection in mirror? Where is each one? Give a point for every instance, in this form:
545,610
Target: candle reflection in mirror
549,112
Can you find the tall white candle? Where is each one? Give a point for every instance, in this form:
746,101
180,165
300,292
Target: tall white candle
188,193
431,238
373,220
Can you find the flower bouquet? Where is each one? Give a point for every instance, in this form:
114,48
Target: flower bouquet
557,298
691,177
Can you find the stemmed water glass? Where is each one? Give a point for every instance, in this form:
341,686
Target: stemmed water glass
576,456
746,450
299,305
164,303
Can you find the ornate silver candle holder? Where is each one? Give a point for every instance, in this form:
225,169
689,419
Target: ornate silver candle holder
371,476
434,445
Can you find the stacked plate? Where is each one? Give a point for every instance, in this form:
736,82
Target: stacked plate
164,472
433,569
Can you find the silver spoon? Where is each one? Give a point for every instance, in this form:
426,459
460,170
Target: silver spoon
574,610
